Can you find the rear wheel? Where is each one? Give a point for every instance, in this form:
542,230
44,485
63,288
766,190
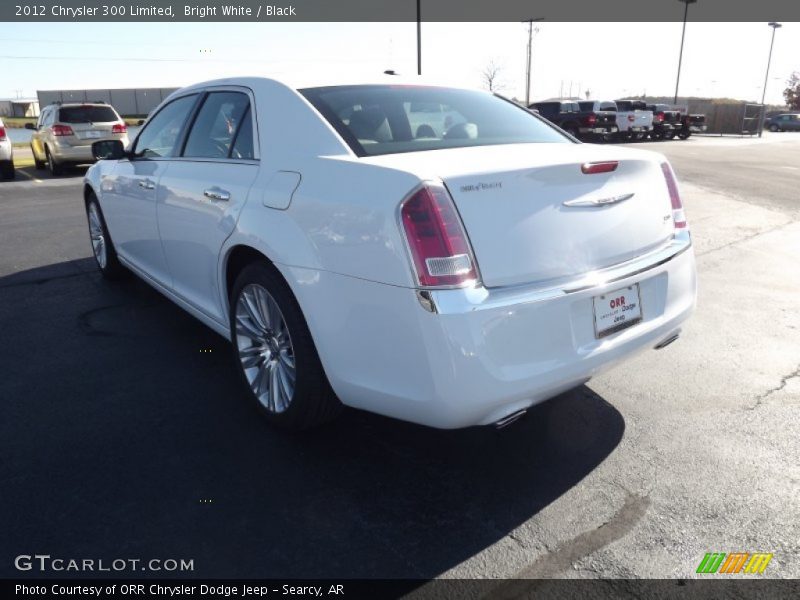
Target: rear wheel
670,136
685,135
773,128
55,167
657,135
275,354
37,164
7,170
102,247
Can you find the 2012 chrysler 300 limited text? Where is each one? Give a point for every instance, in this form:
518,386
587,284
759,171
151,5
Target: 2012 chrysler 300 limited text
434,254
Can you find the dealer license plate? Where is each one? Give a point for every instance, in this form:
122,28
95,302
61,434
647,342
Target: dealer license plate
617,310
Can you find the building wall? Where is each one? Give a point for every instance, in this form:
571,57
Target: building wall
127,102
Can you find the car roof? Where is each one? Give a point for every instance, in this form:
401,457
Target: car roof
299,82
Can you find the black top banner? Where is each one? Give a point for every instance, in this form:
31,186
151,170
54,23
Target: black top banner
400,10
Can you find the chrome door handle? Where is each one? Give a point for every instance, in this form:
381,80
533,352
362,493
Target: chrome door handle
147,184
217,194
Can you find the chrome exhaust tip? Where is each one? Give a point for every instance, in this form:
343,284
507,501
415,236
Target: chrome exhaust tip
506,421
668,341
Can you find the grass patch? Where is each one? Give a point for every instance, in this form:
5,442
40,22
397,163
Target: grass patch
21,163
18,122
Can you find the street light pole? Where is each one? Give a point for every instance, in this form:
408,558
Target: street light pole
683,36
766,78
530,23
419,37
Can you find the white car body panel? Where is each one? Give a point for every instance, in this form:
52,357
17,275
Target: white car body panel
328,220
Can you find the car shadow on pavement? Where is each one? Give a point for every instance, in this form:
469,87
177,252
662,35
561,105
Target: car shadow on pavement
125,437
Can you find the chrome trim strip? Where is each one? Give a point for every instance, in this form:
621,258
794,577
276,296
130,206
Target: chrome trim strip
598,202
481,298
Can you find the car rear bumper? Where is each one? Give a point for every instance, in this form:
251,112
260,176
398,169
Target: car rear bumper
484,354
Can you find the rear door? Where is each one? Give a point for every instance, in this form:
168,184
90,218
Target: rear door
203,191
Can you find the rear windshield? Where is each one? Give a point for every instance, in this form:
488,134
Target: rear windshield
387,119
87,114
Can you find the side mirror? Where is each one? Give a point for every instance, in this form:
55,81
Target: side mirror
30,126
108,150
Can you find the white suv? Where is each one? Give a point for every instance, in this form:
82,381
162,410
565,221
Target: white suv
6,154
447,274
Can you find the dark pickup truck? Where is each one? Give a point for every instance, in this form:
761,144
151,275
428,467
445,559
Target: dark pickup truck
692,124
584,124
666,122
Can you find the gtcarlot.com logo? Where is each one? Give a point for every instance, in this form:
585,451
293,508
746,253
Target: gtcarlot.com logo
45,562
734,562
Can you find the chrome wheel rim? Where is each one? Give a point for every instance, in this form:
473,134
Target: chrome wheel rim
265,348
97,236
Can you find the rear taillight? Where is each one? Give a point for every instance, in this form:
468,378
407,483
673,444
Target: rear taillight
436,238
659,117
2,133
119,128
60,130
678,216
591,119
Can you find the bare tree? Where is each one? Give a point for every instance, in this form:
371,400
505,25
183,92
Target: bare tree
491,76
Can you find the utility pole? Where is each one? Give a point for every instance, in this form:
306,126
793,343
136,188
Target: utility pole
683,36
530,23
766,78
419,37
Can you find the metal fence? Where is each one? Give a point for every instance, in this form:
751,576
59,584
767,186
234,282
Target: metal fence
127,102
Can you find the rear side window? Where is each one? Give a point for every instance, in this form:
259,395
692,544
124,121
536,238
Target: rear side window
87,114
243,142
161,134
388,119
216,125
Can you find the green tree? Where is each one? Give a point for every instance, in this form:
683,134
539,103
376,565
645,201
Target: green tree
792,92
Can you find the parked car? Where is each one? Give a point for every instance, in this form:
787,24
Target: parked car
691,123
64,133
6,154
635,122
785,122
666,121
579,123
449,280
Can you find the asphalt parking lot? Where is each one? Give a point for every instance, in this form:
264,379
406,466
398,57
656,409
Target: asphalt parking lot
123,436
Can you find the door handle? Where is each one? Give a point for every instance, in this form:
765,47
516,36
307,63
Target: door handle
217,194
147,184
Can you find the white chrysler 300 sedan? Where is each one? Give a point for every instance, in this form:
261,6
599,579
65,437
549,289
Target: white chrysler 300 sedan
435,254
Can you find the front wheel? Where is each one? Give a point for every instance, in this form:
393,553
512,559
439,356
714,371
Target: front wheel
773,128
37,164
684,135
275,354
102,247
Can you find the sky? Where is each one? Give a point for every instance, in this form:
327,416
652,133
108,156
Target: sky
609,60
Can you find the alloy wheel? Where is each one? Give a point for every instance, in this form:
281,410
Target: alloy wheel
265,349
97,236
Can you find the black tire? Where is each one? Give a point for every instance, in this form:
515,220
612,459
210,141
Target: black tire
572,130
55,167
7,170
37,164
312,401
657,135
773,128
112,269
671,135
685,135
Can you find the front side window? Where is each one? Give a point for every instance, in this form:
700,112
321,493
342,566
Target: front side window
161,134
388,119
216,125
